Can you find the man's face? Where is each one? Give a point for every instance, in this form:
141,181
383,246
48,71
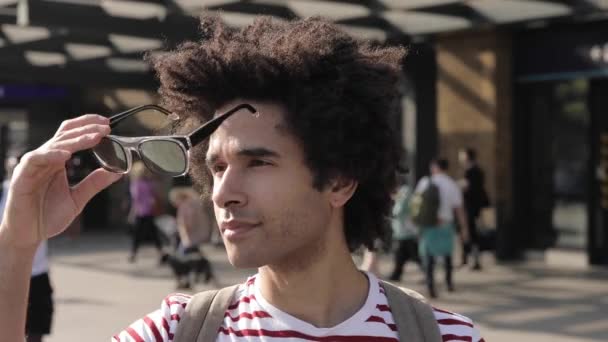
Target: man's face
267,210
433,168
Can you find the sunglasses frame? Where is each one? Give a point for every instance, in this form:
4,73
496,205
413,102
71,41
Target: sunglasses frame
185,142
133,144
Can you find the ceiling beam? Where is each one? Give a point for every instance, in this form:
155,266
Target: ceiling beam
88,18
74,75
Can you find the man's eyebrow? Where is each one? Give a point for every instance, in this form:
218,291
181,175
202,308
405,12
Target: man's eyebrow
245,152
257,152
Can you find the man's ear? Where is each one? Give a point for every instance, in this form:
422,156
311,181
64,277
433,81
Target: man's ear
341,190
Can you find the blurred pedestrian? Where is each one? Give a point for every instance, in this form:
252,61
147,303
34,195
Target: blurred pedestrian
475,199
370,261
40,305
194,227
440,201
76,172
405,233
145,203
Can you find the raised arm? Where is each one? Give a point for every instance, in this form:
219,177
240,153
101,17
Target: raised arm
41,204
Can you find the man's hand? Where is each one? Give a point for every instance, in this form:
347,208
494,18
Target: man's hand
41,203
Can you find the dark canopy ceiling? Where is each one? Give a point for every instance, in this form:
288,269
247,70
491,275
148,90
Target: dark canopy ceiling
102,41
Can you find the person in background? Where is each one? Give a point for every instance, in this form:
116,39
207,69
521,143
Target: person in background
40,306
475,199
75,172
370,262
195,224
144,208
438,241
405,232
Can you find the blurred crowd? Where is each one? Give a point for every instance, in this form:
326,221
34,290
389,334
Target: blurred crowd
429,215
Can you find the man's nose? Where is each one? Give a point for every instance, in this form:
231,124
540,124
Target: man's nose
228,189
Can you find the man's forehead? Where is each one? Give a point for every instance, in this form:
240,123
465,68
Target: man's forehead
268,115
240,135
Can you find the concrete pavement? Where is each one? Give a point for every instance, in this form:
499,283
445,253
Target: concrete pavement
97,292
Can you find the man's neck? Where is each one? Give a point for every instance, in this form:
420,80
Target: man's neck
324,294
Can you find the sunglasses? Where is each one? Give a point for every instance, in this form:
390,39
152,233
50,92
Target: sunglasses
164,155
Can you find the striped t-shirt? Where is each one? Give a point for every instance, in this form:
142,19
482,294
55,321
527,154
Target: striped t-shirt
251,318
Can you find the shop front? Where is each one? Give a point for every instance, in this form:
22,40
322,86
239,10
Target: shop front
560,138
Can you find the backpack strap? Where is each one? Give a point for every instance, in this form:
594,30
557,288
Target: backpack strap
204,315
414,317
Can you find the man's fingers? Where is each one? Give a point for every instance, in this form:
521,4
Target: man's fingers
36,165
92,185
31,162
82,121
87,129
79,143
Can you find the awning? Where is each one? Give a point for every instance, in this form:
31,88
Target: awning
103,41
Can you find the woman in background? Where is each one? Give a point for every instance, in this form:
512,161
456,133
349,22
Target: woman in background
144,208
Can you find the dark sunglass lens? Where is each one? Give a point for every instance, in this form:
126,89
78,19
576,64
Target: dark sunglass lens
163,157
111,155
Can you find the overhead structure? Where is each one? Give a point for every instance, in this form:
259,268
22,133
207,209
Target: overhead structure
103,41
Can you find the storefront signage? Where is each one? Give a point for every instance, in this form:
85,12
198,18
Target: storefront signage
566,51
31,92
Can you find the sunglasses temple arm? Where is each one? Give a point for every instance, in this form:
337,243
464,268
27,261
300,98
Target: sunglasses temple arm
207,129
115,119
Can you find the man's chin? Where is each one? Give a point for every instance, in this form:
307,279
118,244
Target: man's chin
244,260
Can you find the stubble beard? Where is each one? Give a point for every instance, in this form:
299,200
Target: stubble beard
310,246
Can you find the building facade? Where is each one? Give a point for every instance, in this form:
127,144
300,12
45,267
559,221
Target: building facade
521,81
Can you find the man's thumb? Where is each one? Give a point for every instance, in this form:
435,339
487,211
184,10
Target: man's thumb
92,185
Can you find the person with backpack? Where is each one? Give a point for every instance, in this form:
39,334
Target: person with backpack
436,206
300,172
405,232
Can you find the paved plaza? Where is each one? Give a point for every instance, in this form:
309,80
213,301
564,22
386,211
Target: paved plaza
559,299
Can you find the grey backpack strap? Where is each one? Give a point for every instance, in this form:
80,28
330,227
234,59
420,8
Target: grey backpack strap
414,317
204,315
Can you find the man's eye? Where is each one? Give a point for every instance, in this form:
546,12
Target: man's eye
217,168
257,162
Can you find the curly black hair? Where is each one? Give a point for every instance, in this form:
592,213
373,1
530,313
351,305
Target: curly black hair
341,95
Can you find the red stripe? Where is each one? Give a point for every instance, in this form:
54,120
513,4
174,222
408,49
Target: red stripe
376,319
176,302
166,326
150,323
383,307
450,321
250,281
258,314
179,298
167,329
134,335
246,299
443,311
296,334
379,319
451,337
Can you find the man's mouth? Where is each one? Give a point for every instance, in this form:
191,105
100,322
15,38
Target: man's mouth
236,229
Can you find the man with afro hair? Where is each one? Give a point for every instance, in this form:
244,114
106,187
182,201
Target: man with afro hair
296,188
